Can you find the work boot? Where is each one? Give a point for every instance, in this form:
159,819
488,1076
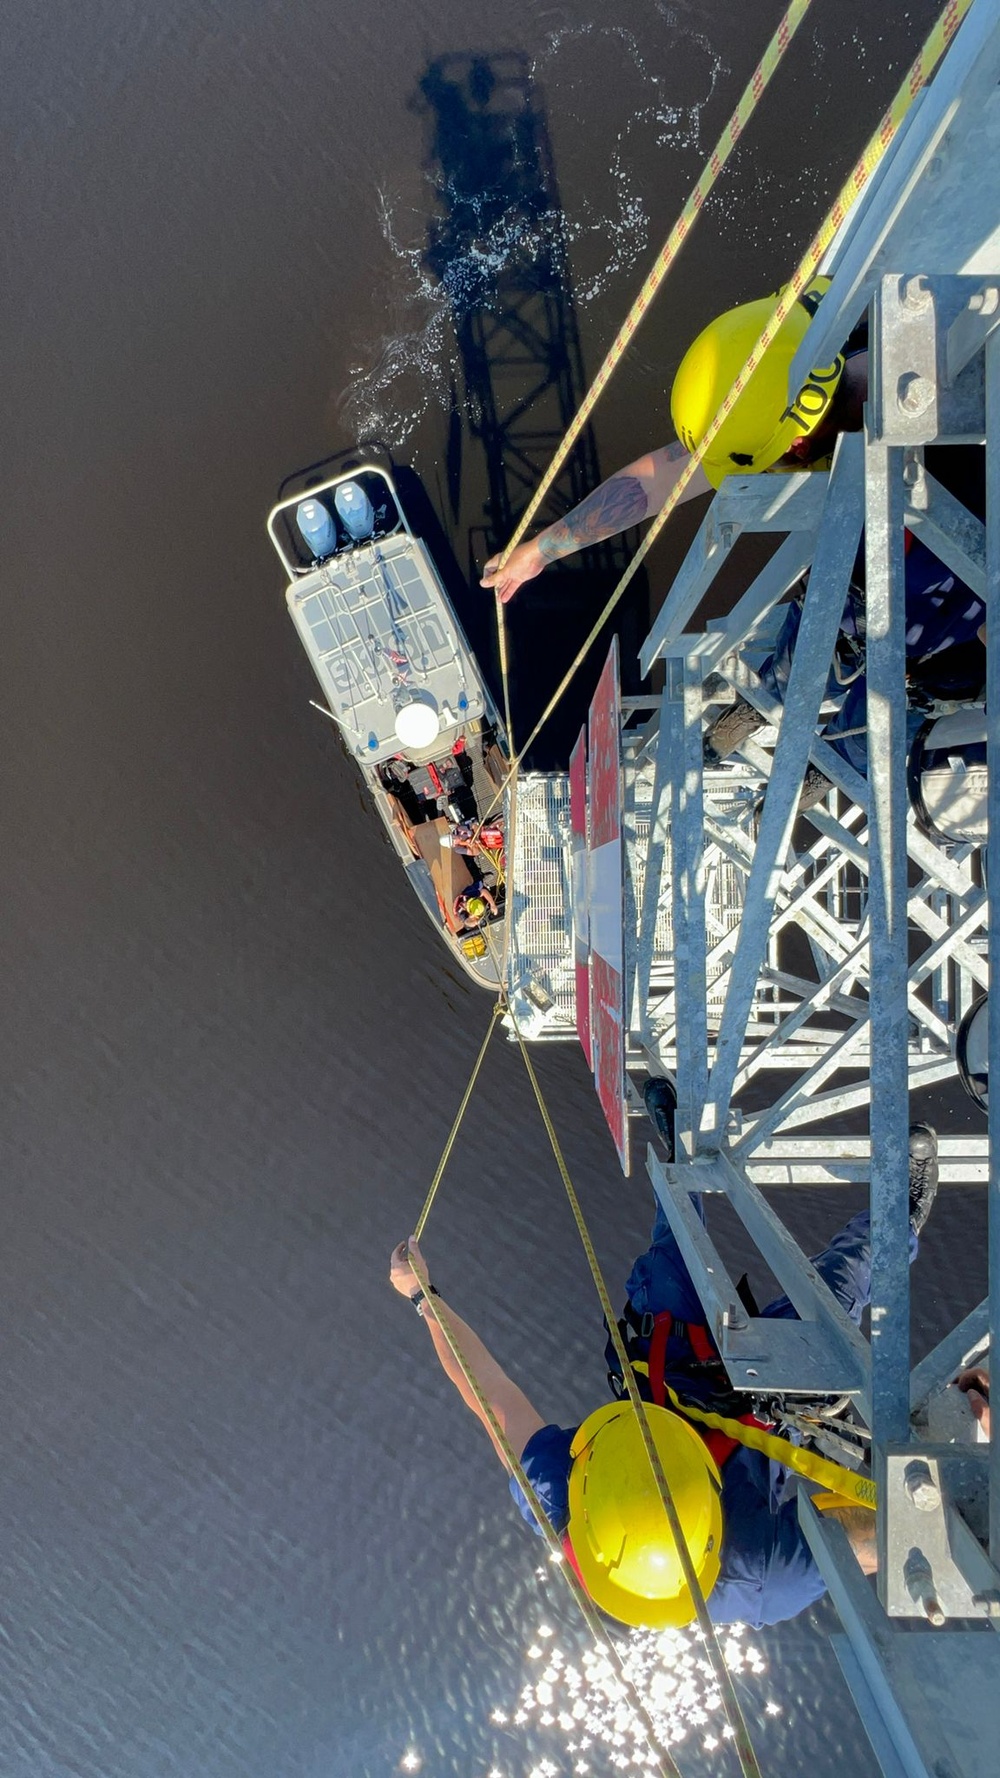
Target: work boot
661,1105
923,1174
815,786
734,725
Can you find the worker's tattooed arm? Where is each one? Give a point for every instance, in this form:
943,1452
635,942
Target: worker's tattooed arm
614,506
625,499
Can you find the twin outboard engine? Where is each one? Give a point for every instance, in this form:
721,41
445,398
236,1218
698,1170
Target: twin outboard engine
318,527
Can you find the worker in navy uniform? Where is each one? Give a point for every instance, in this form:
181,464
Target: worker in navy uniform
735,1505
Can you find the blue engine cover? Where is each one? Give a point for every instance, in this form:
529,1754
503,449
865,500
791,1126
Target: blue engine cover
355,510
317,528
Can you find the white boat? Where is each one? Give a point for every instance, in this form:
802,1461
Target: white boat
404,690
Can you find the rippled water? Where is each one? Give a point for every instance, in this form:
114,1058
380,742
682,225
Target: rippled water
248,1529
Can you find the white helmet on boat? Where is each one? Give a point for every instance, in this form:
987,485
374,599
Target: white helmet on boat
972,1052
946,776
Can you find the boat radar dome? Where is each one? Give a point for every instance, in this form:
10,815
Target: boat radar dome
417,724
355,509
317,528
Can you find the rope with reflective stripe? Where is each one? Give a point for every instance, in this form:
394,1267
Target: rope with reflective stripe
741,1736
917,77
919,73
459,1115
598,1629
748,102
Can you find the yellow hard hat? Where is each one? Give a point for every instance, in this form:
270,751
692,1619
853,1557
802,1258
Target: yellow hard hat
619,1532
762,424
475,906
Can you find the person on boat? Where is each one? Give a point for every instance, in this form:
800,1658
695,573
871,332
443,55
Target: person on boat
474,905
736,1507
471,839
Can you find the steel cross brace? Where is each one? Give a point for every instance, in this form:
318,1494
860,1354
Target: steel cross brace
821,613
822,1352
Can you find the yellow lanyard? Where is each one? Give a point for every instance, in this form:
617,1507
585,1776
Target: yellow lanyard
845,1487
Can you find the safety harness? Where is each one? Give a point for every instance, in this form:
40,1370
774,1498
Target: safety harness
646,1338
726,1419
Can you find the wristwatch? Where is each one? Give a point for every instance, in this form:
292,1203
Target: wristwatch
419,1296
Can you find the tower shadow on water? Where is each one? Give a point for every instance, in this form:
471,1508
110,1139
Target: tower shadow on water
498,248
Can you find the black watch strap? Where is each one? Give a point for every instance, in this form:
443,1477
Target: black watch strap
419,1295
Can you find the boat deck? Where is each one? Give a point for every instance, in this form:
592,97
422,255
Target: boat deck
375,625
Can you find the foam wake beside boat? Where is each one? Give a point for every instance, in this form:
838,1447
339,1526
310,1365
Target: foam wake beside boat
403,687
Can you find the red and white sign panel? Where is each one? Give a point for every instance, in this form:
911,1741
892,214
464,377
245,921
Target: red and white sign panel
606,905
581,913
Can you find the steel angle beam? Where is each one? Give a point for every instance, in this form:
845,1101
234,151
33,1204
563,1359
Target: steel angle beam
811,1167
683,707
821,613
935,200
820,1353
793,502
887,902
652,883
931,1699
799,1109
606,903
964,1345
913,398
993,817
578,889
935,1506
786,566
744,503
945,525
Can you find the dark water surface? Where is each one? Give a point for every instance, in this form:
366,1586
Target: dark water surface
249,1532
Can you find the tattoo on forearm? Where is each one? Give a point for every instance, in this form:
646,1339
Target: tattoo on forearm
611,508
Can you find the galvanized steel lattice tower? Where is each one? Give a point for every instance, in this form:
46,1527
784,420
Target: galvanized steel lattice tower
788,970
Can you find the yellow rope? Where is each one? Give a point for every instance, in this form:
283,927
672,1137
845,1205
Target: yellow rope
917,76
748,102
504,672
598,1629
845,1483
741,1736
456,1126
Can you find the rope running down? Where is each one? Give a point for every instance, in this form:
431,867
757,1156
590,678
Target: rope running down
749,100
916,77
737,1722
459,1116
599,1631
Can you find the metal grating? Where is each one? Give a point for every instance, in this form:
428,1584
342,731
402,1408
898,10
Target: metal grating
541,976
